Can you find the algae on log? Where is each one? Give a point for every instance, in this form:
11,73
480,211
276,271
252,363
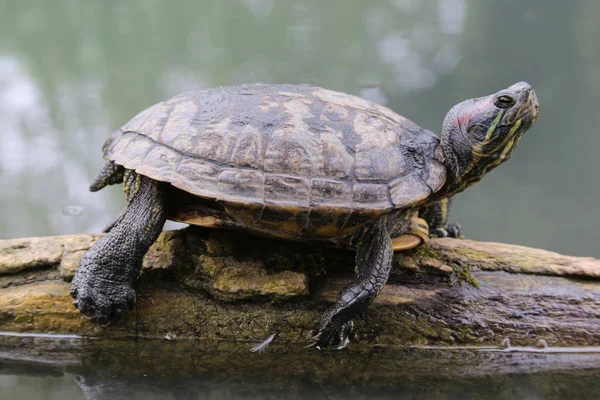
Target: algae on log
211,285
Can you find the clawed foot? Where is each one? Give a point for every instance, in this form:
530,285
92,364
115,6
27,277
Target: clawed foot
450,230
103,301
333,336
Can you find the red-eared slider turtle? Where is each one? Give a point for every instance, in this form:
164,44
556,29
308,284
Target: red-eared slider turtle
293,162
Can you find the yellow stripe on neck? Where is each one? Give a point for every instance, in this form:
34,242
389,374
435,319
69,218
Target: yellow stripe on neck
495,123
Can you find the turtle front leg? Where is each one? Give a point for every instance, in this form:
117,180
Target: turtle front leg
436,216
103,284
373,264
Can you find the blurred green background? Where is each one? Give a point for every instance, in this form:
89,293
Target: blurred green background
72,71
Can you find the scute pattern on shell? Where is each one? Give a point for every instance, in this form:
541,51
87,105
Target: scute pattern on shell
303,149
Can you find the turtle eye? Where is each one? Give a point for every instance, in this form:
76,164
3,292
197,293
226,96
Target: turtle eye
504,101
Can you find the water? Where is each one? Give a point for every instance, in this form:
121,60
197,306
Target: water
73,71
187,369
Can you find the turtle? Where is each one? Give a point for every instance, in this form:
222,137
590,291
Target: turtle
294,162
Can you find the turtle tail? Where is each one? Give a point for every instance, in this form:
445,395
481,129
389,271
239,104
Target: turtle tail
110,174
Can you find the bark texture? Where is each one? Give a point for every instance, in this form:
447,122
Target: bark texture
217,285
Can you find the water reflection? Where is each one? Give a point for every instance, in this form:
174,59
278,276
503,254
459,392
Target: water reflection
180,369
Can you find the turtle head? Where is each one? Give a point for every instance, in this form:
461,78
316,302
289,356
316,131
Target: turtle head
480,134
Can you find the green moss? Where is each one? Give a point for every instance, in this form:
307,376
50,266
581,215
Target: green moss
313,261
465,274
278,262
314,265
23,318
427,251
327,262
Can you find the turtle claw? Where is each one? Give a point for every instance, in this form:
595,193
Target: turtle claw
83,307
89,315
451,230
102,301
455,231
103,315
332,337
313,343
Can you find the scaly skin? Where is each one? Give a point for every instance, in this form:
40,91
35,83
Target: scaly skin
373,264
436,215
478,135
110,174
103,284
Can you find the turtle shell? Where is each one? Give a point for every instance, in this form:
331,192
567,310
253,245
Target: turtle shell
292,161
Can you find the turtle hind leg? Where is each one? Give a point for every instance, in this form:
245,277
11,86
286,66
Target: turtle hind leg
103,284
129,181
436,216
373,264
110,174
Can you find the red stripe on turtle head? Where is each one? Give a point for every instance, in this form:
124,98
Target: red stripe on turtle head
467,113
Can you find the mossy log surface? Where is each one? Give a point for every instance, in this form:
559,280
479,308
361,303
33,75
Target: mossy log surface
214,285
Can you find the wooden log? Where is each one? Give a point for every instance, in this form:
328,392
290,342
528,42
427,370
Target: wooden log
218,285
